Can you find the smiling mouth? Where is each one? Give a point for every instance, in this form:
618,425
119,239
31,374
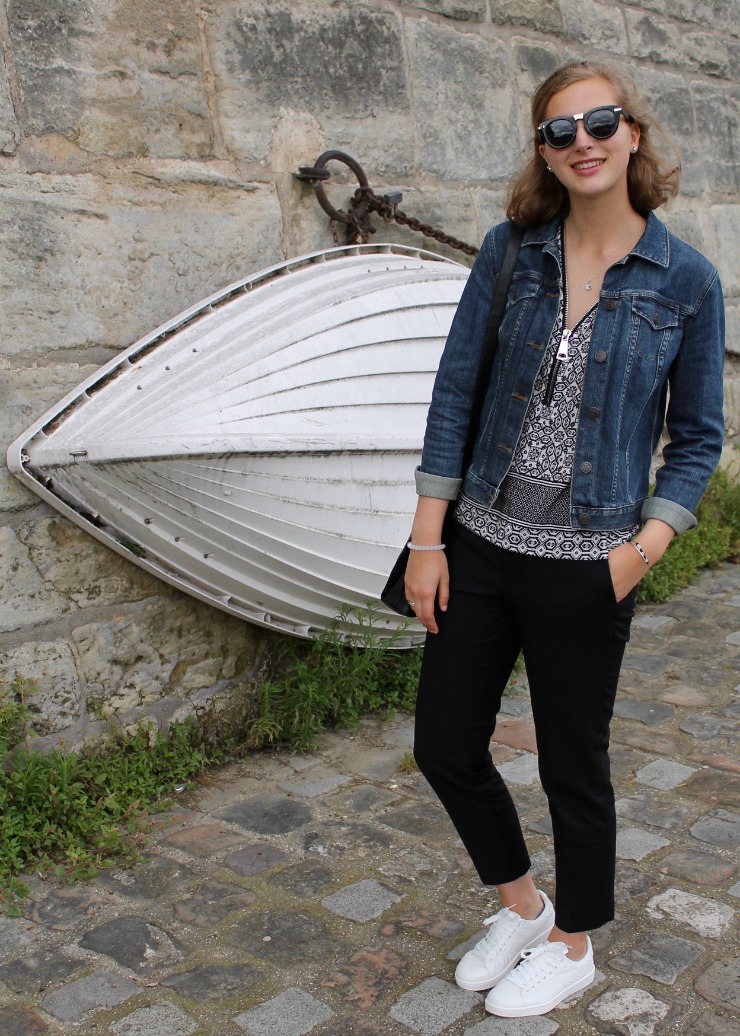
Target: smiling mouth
591,164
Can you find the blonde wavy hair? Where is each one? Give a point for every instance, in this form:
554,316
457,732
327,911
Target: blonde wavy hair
536,196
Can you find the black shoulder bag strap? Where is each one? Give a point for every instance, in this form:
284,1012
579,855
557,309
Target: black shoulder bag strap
393,594
490,344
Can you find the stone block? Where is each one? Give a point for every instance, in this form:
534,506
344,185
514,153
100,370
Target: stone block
363,901
213,981
63,908
701,868
103,261
645,662
265,55
292,1013
316,781
725,223
360,798
648,712
77,1000
212,903
664,774
708,1024
717,127
253,859
514,1027
282,939
55,698
267,814
367,975
706,728
631,882
635,844
715,787
627,1012
133,942
35,972
686,226
203,840
654,38
156,1020
302,879
673,104
459,10
596,25
26,598
706,917
650,621
542,15
721,828
647,808
706,52
523,770
470,76
9,132
118,80
720,984
379,764
149,879
13,935
433,1006
416,819
661,956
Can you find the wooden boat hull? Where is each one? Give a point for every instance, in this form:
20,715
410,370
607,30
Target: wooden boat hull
257,451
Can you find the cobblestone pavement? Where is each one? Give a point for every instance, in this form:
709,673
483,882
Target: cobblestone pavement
329,894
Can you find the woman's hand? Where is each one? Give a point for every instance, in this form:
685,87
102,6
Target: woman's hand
627,569
427,583
626,564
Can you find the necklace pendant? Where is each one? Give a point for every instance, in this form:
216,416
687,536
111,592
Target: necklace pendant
588,285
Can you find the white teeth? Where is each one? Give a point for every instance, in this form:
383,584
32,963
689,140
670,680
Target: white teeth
588,165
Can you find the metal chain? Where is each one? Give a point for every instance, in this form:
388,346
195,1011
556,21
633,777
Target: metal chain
365,201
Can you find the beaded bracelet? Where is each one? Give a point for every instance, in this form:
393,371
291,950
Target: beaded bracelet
640,551
416,546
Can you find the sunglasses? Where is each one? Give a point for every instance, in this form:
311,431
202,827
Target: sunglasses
600,123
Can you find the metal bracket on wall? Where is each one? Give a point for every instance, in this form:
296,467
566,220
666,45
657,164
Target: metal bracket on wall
364,202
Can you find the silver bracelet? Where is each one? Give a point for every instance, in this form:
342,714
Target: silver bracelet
415,546
641,552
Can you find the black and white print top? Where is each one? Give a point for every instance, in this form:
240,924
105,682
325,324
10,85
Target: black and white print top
531,514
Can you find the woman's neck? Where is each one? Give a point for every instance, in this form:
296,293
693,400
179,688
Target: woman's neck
595,224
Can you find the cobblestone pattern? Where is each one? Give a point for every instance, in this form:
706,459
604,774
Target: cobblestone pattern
264,911
146,160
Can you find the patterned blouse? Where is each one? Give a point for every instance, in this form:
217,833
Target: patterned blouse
531,514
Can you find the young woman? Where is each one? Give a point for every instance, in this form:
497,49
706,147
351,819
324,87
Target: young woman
612,327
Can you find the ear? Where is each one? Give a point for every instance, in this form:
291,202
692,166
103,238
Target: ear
541,149
634,133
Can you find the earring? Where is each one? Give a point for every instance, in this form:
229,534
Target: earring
634,150
549,169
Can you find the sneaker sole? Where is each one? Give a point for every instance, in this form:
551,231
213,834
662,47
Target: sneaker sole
543,1008
477,987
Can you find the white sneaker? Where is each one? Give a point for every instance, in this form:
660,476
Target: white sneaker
502,946
544,978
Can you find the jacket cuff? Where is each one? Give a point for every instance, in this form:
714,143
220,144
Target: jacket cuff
679,518
438,486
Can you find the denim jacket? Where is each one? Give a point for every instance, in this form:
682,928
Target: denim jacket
656,357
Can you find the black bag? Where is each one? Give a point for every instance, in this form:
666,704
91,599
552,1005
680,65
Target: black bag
393,594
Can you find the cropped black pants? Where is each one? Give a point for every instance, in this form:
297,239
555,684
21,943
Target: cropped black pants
564,617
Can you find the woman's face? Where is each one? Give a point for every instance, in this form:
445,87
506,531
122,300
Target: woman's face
589,167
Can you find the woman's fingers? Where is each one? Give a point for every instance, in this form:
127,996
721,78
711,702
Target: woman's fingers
427,581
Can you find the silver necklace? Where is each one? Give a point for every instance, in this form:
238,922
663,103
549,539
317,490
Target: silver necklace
590,280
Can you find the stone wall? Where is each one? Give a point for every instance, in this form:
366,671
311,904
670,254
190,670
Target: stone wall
146,159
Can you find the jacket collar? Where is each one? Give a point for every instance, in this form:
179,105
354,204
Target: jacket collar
653,245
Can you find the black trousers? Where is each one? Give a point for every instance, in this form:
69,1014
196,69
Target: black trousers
564,617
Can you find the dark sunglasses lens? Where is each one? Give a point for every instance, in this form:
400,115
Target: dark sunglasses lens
602,123
560,132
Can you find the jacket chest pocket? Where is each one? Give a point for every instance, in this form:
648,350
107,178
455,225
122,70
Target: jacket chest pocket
655,334
520,307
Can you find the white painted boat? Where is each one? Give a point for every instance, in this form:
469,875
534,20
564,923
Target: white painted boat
257,451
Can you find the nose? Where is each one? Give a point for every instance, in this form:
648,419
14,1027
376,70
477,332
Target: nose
582,138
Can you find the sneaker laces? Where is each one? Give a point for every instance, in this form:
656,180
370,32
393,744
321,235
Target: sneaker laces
538,964
495,938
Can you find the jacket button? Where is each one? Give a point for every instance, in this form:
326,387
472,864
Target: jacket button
584,519
610,304
586,467
600,356
593,411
